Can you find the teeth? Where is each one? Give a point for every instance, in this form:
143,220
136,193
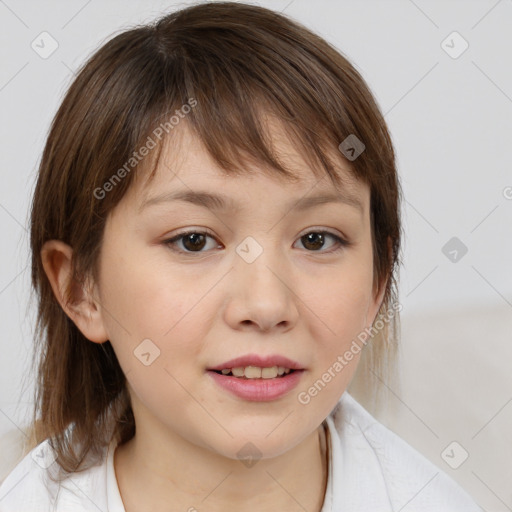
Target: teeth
269,373
254,372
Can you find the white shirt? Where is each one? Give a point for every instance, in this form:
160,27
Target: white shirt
370,469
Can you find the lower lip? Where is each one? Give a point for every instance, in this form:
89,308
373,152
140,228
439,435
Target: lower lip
258,390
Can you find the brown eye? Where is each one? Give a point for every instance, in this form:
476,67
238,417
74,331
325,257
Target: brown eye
314,241
196,242
193,241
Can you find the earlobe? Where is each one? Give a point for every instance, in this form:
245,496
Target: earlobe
75,298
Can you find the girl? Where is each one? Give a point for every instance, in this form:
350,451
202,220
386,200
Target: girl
220,249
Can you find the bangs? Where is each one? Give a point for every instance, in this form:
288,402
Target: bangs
242,93
252,139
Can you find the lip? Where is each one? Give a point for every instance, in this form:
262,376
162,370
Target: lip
258,390
259,361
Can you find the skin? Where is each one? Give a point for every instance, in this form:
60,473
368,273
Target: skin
301,300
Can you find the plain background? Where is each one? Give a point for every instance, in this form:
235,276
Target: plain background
451,123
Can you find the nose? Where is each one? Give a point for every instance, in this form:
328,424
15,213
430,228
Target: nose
262,295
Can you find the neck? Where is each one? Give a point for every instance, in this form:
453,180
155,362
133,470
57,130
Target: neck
151,476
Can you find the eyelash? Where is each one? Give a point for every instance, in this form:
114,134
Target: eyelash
343,244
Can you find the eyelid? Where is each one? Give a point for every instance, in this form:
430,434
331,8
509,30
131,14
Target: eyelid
196,231
320,229
341,240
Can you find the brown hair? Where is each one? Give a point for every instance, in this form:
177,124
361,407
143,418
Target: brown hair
236,62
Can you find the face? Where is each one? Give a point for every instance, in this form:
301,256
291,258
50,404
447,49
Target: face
267,272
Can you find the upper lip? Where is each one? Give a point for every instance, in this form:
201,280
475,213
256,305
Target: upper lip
259,361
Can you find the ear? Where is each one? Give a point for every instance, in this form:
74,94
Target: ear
74,297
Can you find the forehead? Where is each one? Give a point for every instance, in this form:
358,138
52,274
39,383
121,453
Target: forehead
186,166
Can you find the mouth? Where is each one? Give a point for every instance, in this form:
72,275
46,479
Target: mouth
257,384
255,372
257,378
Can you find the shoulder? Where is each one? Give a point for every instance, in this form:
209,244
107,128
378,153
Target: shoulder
29,486
408,478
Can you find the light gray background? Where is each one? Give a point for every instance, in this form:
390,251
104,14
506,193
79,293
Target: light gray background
451,122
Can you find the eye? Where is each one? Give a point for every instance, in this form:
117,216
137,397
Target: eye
193,241
196,241
315,240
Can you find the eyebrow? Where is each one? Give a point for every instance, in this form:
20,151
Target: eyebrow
222,203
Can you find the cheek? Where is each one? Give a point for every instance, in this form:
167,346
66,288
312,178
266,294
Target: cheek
154,329
337,307
138,292
145,301
340,300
